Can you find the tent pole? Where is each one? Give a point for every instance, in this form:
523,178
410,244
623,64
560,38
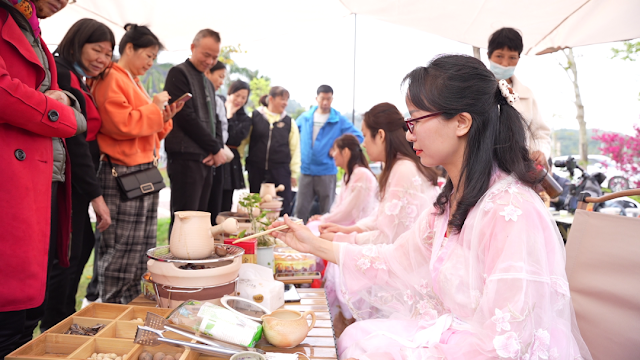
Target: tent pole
476,52
353,108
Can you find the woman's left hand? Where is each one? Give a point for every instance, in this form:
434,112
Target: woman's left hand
171,110
328,236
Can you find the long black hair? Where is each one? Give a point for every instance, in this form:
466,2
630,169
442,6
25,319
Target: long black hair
349,141
84,31
455,84
387,117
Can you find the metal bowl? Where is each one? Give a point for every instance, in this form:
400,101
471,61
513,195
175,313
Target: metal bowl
163,254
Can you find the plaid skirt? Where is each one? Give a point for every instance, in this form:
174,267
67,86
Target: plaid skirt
121,254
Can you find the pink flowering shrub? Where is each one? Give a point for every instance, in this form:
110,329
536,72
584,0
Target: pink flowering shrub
624,150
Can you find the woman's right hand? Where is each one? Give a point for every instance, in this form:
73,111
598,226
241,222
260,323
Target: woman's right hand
297,236
316,217
161,99
231,109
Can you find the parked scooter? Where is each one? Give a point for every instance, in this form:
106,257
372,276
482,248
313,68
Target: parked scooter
585,183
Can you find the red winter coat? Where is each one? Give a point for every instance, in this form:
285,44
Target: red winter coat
28,121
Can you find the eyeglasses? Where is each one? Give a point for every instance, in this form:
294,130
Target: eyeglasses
411,122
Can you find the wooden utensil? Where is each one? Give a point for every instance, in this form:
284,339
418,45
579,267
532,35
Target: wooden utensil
282,227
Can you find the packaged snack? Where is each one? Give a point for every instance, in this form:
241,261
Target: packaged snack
289,260
217,322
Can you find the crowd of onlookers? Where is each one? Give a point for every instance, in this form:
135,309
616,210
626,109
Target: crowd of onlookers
74,122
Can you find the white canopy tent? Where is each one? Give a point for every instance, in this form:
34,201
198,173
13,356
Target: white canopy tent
547,25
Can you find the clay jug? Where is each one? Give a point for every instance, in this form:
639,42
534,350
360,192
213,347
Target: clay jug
191,236
287,328
270,189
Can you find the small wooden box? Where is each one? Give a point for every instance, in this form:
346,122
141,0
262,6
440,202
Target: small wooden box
117,337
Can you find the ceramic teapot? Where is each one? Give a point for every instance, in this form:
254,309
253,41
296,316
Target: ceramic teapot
287,328
192,234
270,189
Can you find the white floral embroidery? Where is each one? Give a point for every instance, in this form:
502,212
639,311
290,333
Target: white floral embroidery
540,347
370,250
502,320
423,288
553,354
511,213
507,345
417,181
393,207
408,297
377,264
363,264
412,211
488,206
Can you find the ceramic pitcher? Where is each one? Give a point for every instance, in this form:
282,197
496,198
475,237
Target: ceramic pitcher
287,328
192,234
270,189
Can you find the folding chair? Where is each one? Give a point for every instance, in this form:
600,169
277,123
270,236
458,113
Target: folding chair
603,269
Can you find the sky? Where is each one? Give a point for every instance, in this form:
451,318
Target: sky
309,56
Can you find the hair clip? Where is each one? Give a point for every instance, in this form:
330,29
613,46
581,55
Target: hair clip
508,93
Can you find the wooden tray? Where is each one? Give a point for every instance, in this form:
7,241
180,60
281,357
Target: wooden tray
116,337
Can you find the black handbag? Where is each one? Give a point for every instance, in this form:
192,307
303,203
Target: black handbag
138,183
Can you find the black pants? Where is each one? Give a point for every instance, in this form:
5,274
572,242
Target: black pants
277,174
215,198
62,301
16,327
190,185
227,200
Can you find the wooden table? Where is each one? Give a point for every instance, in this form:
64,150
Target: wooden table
319,344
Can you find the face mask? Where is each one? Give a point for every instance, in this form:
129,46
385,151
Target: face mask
501,72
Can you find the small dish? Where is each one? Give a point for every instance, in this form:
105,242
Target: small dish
248,355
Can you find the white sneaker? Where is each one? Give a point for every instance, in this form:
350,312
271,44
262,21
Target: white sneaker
86,302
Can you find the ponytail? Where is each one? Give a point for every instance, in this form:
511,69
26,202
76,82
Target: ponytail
454,84
348,141
264,100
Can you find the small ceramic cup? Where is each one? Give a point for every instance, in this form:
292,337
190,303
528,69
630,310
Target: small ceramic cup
248,355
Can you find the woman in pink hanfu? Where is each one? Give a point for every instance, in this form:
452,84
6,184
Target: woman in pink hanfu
406,189
358,193
358,199
481,274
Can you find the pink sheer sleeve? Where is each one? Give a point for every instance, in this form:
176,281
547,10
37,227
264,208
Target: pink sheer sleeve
407,195
522,308
379,281
357,200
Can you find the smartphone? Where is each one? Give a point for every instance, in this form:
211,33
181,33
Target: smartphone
183,98
291,294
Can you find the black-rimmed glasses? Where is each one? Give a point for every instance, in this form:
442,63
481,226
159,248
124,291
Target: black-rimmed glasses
411,122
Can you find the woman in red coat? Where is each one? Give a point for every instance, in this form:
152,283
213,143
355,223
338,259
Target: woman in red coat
31,115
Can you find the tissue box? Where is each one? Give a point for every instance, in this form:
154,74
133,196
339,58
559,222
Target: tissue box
256,283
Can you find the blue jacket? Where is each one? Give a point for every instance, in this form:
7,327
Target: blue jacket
315,158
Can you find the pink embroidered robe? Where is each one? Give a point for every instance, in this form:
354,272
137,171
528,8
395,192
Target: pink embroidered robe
496,290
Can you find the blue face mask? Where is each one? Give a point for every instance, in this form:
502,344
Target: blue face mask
501,72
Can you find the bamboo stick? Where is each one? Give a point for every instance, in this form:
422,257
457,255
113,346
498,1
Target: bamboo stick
282,227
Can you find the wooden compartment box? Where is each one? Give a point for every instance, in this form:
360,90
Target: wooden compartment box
116,337
121,320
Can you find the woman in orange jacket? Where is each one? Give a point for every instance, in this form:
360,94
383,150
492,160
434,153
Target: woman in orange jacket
133,123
